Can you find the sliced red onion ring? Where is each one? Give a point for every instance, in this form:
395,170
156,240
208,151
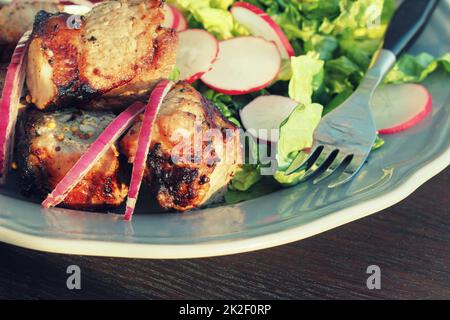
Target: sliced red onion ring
93,154
145,138
10,103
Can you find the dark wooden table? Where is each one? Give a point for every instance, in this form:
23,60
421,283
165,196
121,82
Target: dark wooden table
410,242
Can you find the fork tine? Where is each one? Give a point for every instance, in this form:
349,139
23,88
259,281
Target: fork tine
322,163
335,165
353,167
303,159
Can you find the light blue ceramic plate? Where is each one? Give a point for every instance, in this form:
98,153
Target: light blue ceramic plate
407,161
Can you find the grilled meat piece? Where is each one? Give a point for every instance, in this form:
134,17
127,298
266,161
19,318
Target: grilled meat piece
113,55
18,17
194,151
139,88
49,146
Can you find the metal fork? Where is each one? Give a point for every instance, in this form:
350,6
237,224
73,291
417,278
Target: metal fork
345,137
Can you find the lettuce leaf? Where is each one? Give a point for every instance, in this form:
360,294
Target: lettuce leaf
247,176
342,74
363,17
174,75
289,180
307,75
265,186
212,15
359,51
319,9
221,4
416,68
325,45
296,133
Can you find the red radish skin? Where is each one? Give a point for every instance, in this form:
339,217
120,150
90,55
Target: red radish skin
235,73
144,141
182,24
97,149
266,113
177,17
10,103
172,19
195,77
397,108
243,12
198,50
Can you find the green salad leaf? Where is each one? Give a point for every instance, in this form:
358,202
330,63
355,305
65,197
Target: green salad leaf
307,75
325,45
175,74
416,68
247,176
296,133
363,17
379,142
212,15
221,4
265,186
342,74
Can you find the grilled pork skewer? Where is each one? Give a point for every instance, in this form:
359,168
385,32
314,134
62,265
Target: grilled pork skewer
188,179
51,143
107,59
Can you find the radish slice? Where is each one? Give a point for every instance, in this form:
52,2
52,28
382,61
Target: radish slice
198,49
182,24
144,141
172,19
244,65
266,113
10,103
399,107
260,24
97,149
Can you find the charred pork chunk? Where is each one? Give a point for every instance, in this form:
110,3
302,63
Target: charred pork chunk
18,17
194,151
107,59
50,145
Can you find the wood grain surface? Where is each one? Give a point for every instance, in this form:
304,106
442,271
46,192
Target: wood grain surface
410,242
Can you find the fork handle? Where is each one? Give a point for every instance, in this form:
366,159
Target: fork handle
408,21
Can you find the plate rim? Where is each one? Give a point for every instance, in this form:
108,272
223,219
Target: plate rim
235,246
